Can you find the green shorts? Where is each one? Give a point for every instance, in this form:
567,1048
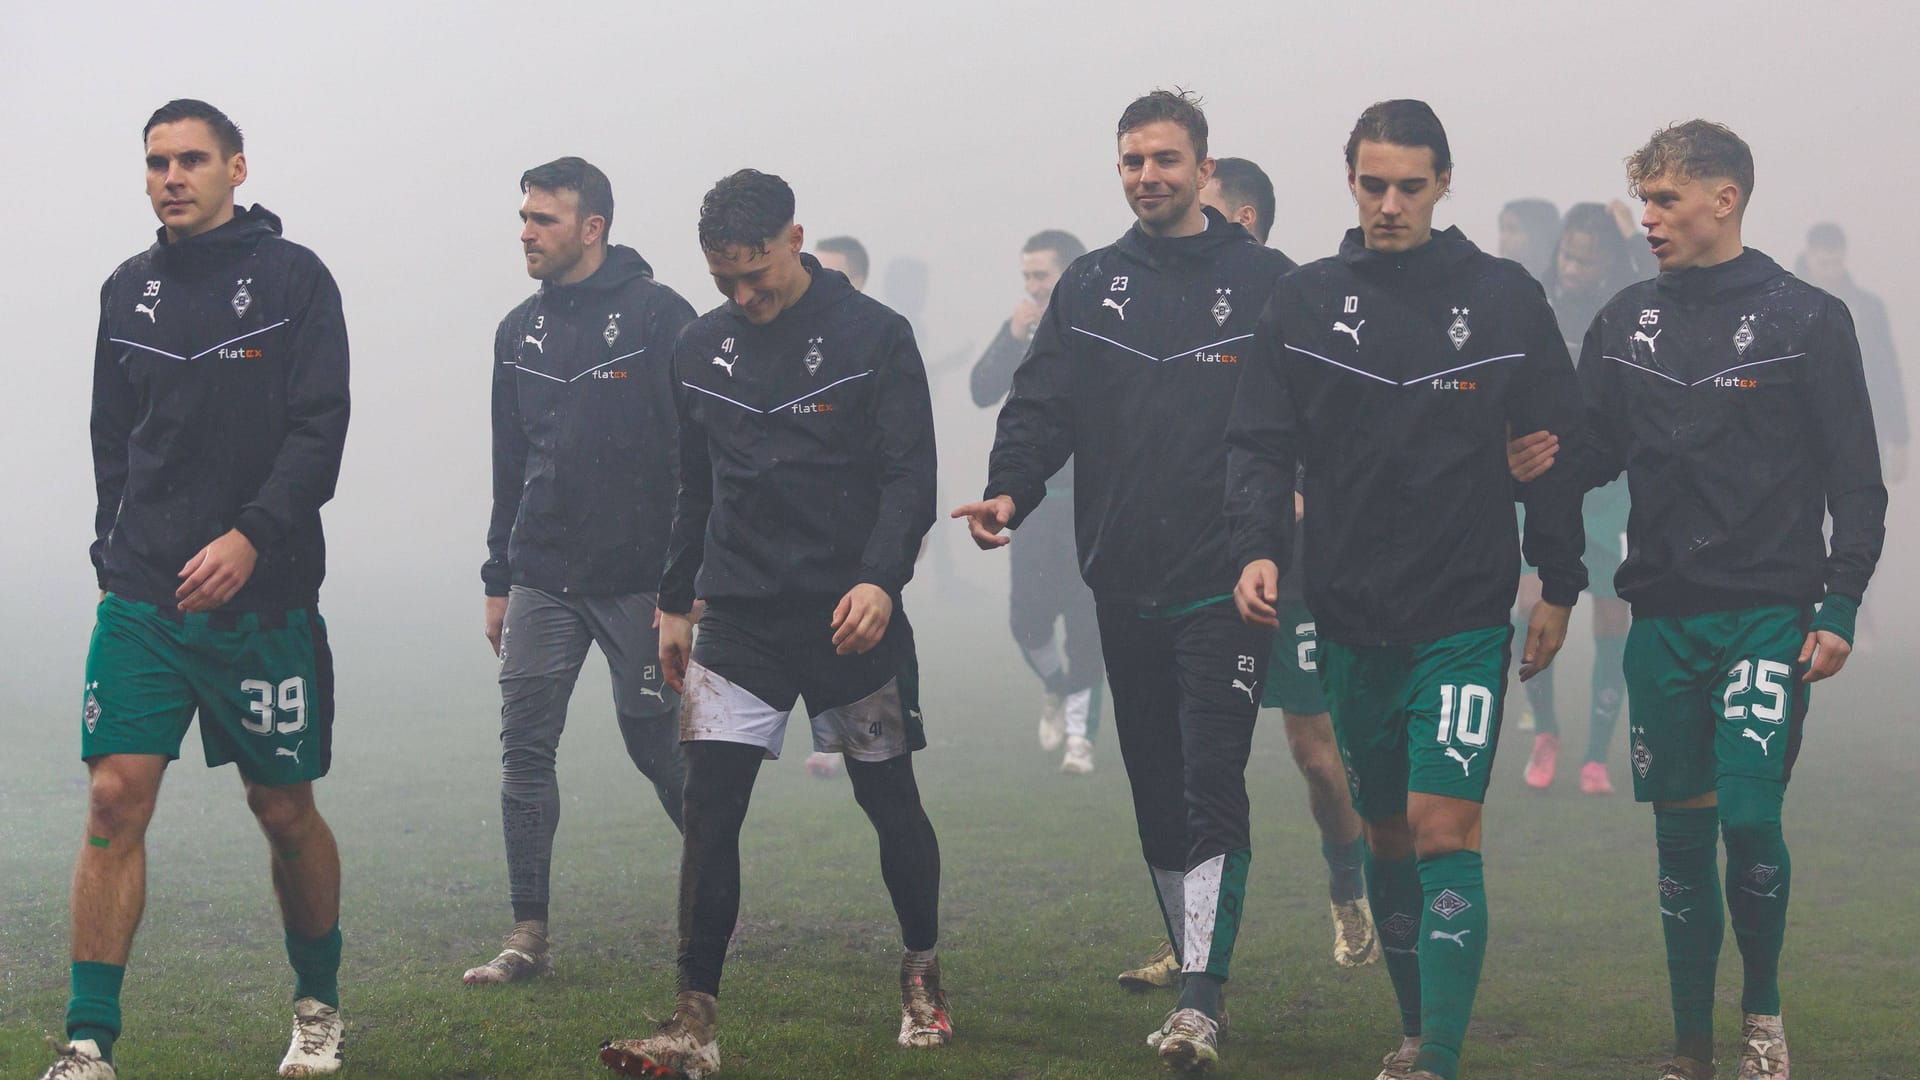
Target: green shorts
1714,695
1417,717
262,683
1293,675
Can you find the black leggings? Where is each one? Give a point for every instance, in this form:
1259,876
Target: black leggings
720,777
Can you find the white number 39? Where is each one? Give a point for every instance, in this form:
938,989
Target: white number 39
289,697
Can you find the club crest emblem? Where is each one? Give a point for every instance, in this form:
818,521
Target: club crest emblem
1222,308
1761,874
1743,337
242,299
1399,926
1670,888
813,357
1642,756
1458,332
91,713
1450,903
612,332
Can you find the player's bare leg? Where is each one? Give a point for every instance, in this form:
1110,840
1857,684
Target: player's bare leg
1317,755
306,880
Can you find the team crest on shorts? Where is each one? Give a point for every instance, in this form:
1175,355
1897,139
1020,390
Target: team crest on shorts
242,299
1222,308
1642,756
1450,903
1670,888
612,332
1743,337
91,711
813,358
1459,331
1400,926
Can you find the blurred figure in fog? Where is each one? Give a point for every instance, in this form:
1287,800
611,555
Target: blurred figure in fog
583,485
1046,589
1528,229
1825,264
844,255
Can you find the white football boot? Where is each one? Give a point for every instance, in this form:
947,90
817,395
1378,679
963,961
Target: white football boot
79,1060
318,1034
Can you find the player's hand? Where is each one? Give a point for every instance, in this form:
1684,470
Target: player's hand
693,615
986,520
1824,654
676,645
1530,456
1026,315
861,618
496,620
1257,592
1546,632
1299,507
216,573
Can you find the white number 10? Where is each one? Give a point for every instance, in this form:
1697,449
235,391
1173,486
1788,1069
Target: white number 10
1475,713
289,697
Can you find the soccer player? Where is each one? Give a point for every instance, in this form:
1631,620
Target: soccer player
1132,372
1390,372
806,485
1732,394
1590,264
1824,263
1046,587
844,255
1242,192
583,485
1528,228
219,413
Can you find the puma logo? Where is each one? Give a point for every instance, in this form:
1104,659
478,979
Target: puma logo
728,364
538,343
1770,894
142,309
1120,307
1406,952
1238,685
652,693
281,751
1681,914
1351,331
1755,736
1458,939
1466,763
1641,335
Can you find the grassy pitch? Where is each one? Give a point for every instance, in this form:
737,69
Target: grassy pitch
1045,899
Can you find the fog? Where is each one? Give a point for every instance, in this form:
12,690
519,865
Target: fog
390,138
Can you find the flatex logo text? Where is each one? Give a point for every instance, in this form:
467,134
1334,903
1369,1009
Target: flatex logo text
1454,384
240,354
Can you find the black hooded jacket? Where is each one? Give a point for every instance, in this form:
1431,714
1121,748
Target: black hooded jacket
219,402
806,451
1132,372
1393,378
583,433
1733,397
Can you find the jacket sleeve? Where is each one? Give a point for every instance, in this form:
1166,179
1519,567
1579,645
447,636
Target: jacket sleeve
1546,396
509,463
1034,435
115,404
992,375
903,441
308,464
1599,455
1263,451
1849,454
687,539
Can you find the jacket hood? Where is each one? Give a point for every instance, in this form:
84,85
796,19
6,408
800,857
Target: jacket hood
623,267
1743,273
249,226
1432,260
1160,252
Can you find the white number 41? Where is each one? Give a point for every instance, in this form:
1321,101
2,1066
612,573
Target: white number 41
268,700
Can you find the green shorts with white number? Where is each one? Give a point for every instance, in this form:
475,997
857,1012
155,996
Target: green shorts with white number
261,682
1293,676
1714,695
1420,717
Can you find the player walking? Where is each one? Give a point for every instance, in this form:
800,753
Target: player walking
806,485
219,414
583,483
1390,373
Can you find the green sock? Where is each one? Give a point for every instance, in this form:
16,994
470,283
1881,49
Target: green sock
1539,691
1346,869
1453,943
1759,879
1609,693
93,1012
1394,887
1691,919
316,966
1199,990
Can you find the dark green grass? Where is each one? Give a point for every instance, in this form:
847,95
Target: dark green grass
1045,899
